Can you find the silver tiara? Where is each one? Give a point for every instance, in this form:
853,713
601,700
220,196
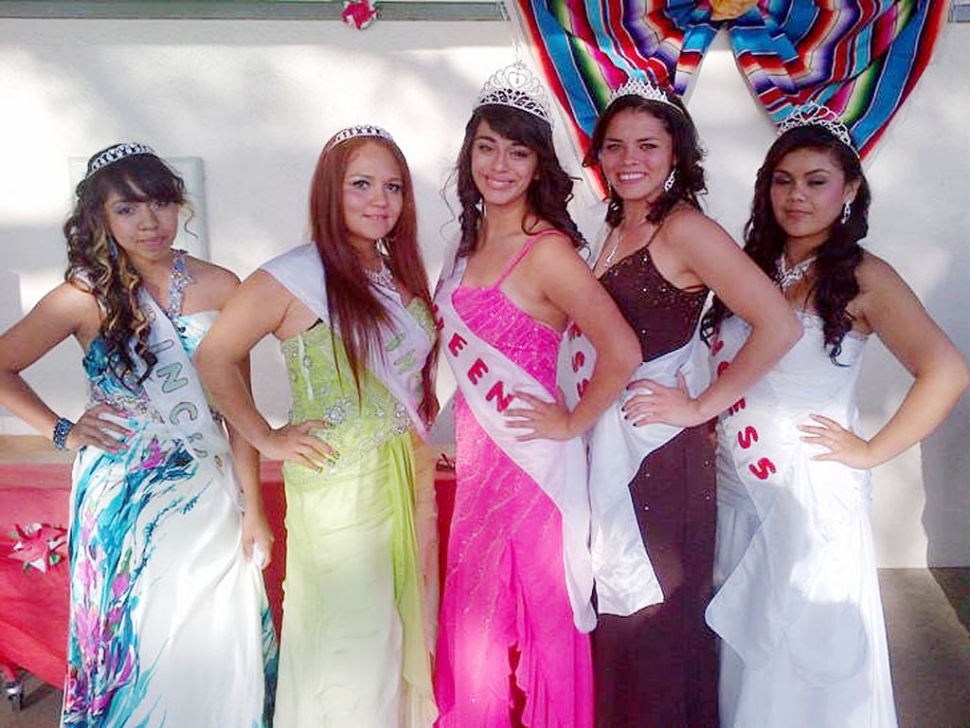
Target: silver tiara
518,87
645,89
116,154
813,114
359,130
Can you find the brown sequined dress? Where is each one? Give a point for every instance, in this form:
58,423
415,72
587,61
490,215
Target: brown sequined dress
657,667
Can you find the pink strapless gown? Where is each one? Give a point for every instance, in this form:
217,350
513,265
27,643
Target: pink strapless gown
508,651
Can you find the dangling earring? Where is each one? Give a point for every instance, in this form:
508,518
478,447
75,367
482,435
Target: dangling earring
112,248
669,182
846,212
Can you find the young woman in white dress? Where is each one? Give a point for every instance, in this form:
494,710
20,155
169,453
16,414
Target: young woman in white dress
798,608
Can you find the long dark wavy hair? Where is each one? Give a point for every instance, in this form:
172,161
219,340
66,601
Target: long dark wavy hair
97,265
548,194
834,284
354,307
689,183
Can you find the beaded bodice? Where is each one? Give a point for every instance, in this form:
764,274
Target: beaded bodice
323,388
662,315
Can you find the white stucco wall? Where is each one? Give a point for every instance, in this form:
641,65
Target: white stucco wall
257,99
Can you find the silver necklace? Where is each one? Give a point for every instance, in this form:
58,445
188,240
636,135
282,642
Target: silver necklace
612,253
787,277
382,276
620,237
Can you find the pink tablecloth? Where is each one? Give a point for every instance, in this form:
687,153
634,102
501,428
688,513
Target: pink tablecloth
34,605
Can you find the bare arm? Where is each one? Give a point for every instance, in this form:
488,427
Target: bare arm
214,288
570,285
63,312
260,306
256,528
704,249
891,309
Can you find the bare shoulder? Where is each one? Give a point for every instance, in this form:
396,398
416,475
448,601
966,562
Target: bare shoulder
64,311
76,291
262,291
553,248
262,282
689,226
884,298
72,301
214,284
692,249
874,273
210,273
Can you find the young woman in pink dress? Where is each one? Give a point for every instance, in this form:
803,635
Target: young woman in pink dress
513,646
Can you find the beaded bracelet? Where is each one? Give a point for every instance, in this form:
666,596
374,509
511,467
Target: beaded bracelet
62,428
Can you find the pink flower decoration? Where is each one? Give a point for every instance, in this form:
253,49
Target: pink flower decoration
37,545
359,13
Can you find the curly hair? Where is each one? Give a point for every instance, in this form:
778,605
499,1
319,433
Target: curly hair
548,194
357,312
835,283
97,265
689,183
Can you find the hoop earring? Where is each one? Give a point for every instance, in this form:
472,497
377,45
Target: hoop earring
846,212
671,179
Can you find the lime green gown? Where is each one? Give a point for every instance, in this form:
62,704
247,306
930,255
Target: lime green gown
354,644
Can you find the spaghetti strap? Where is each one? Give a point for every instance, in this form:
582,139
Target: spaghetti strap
521,254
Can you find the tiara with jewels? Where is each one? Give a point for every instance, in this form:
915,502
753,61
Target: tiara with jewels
645,89
518,87
359,130
116,154
813,114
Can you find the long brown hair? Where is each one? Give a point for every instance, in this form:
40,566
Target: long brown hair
548,195
102,268
354,308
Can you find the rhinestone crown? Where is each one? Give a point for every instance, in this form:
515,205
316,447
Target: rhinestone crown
518,87
645,89
359,130
116,154
813,114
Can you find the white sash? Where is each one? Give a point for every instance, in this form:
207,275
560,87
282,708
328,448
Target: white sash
300,271
487,379
625,578
793,560
176,393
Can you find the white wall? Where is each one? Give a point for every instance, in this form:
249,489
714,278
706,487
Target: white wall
257,99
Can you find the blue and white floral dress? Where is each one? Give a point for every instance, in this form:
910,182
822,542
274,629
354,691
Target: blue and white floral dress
169,624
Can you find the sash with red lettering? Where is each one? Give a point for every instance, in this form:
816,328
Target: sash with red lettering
487,379
802,506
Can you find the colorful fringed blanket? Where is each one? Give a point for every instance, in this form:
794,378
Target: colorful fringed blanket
860,58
